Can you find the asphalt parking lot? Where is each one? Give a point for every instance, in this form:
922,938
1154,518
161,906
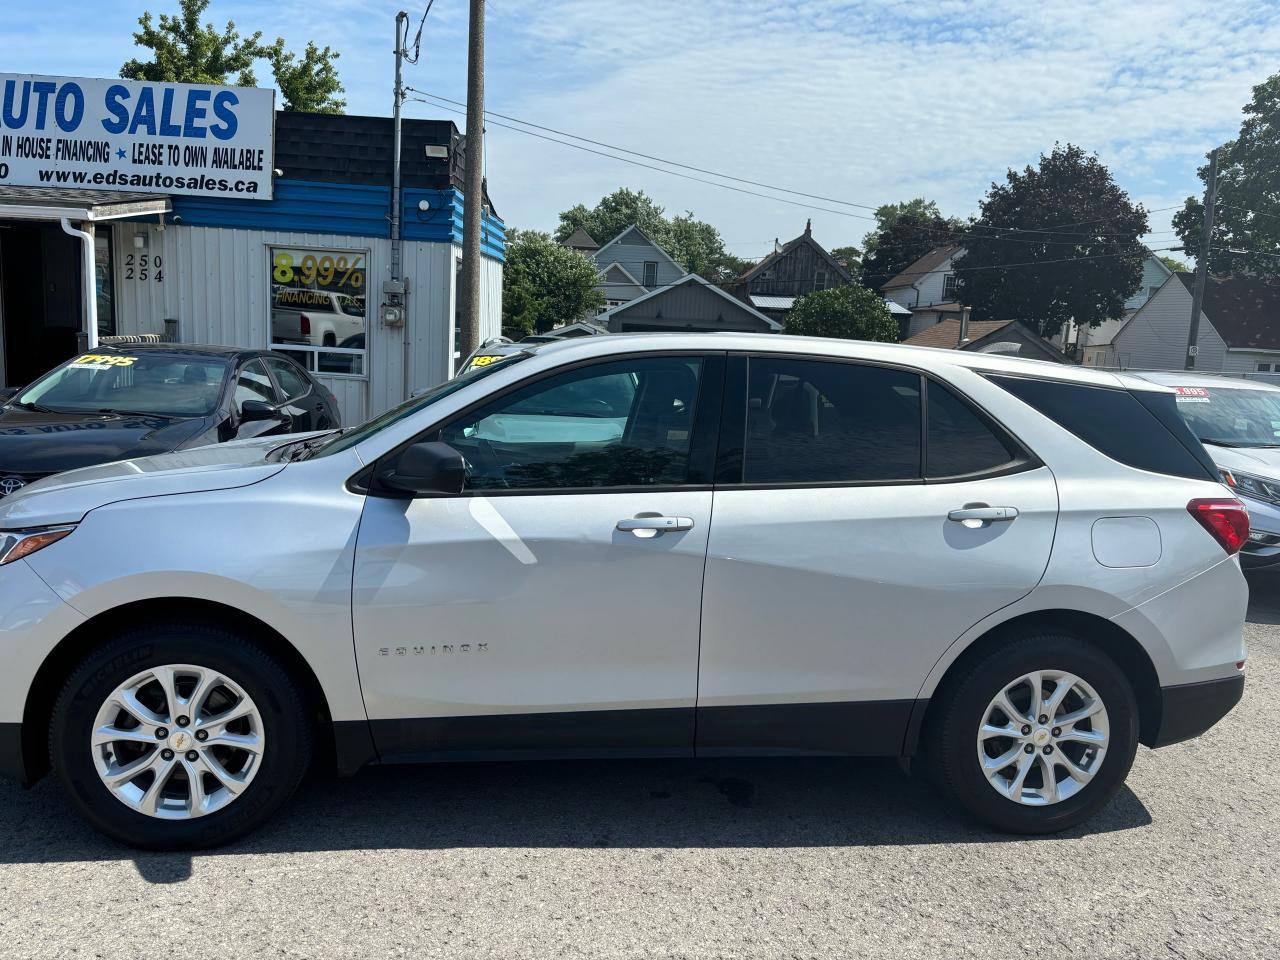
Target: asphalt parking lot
686,859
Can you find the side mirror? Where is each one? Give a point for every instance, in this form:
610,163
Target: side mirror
257,410
427,468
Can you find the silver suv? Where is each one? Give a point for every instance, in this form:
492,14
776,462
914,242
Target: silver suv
627,546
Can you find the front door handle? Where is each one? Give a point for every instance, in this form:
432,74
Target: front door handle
648,526
980,516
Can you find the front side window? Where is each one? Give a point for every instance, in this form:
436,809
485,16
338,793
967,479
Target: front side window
252,383
626,423
818,421
319,308
159,384
292,382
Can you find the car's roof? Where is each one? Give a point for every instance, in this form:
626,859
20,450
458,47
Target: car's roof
182,349
1190,378
852,349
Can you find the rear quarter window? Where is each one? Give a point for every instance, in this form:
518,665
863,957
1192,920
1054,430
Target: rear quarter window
1140,429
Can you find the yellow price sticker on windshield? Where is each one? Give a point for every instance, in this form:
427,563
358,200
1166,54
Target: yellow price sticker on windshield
104,359
483,361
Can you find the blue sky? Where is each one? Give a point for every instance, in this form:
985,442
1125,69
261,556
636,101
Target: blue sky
864,102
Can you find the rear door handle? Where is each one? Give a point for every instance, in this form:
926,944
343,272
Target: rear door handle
641,525
981,516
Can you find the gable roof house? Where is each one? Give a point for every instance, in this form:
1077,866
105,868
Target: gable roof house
581,241
691,303
630,266
1239,327
795,268
1092,346
927,288
1005,337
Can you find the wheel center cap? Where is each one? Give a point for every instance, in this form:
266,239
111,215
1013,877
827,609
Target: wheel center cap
1040,737
181,740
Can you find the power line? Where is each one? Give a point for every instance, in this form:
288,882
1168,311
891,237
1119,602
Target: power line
446,101
417,40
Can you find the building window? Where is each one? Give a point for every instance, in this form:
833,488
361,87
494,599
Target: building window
949,286
319,308
1264,368
104,281
820,280
650,273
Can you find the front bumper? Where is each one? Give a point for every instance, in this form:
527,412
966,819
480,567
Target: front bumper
1189,709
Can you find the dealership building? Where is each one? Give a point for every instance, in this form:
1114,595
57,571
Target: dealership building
309,268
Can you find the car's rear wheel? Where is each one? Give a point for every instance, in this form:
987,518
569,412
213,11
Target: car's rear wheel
1037,736
179,736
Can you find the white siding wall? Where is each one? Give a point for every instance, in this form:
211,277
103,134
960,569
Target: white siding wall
1155,338
930,285
216,283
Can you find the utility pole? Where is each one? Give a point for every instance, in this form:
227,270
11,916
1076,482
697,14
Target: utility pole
469,281
402,34
1202,263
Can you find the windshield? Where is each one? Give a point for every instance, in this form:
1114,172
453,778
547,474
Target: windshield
1231,417
156,384
349,438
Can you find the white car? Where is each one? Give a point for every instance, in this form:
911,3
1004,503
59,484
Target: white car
712,545
317,317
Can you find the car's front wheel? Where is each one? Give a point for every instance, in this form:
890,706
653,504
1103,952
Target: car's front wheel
1037,736
179,736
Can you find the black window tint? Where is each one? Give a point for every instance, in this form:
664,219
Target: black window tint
816,421
1112,421
960,442
627,423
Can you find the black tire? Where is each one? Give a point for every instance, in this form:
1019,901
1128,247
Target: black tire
286,729
951,734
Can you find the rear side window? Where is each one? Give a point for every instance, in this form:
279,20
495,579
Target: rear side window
1114,422
817,421
959,440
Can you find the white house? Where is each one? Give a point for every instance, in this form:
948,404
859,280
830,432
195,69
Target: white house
1239,327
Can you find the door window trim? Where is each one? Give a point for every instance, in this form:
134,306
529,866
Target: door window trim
703,435
730,461
280,390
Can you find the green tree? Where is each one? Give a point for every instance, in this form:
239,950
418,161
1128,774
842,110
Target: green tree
1176,265
545,284
310,84
1247,211
614,213
848,312
850,258
904,233
184,50
1054,243
694,244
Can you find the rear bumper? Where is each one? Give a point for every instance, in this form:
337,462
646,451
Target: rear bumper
1190,709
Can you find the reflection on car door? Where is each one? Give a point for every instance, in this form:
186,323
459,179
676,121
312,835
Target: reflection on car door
835,578
253,383
552,608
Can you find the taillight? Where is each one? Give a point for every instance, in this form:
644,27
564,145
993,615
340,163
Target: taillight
304,325
1226,519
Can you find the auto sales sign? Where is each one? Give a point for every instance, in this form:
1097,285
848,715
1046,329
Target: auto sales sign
105,135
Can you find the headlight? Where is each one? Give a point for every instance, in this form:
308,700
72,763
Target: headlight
16,544
1259,488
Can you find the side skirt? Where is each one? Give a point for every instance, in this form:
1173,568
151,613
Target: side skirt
878,728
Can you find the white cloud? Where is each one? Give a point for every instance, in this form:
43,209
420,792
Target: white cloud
864,101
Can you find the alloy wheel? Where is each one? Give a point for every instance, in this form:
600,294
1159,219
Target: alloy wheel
177,741
1043,738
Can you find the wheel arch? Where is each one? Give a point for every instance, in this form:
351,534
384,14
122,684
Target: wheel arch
1090,628
63,659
